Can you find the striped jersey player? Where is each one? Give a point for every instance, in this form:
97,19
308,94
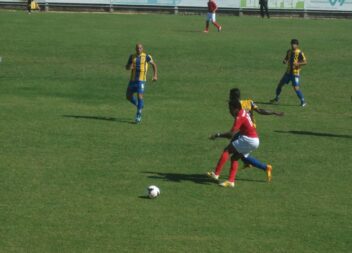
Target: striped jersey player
138,64
294,59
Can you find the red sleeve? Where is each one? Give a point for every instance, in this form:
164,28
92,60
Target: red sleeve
237,124
214,6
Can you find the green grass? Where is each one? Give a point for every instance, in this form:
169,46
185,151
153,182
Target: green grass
74,184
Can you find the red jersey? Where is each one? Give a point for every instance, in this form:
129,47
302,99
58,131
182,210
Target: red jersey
212,6
244,124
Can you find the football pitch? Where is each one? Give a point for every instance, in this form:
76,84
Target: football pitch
74,169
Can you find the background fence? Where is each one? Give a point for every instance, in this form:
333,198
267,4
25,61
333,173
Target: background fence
324,5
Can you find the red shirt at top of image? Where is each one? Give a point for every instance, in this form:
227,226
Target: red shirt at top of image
212,6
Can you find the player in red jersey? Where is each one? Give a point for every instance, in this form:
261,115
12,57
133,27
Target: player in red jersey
240,147
211,16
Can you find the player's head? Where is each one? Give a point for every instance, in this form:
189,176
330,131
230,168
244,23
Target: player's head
235,94
234,107
139,48
294,43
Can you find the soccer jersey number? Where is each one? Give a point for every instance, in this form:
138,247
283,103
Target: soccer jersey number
249,119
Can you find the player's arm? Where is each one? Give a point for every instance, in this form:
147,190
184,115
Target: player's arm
286,58
216,8
267,112
227,135
155,70
230,134
302,60
129,63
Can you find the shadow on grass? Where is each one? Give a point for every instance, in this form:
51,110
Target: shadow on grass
189,31
268,103
195,178
251,180
179,177
143,197
122,120
315,134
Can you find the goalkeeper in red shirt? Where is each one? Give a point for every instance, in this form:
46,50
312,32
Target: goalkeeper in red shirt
212,8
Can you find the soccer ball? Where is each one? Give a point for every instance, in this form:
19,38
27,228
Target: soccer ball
153,191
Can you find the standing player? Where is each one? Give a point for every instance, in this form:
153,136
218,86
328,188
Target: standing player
246,142
294,59
251,107
29,6
138,64
212,8
264,8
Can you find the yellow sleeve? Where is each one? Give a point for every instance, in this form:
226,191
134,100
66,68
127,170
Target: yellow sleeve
302,57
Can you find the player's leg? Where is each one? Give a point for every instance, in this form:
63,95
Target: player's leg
284,80
266,8
29,6
258,164
261,8
140,104
131,89
296,88
207,22
239,148
222,160
233,169
213,20
254,162
220,165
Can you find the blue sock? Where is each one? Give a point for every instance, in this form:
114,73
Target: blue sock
140,106
256,163
278,92
300,95
133,100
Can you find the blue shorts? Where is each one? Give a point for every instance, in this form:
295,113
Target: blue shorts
136,87
286,78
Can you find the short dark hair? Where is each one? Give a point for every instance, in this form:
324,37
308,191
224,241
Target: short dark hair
235,103
235,94
294,41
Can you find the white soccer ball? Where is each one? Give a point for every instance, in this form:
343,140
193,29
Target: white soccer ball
153,191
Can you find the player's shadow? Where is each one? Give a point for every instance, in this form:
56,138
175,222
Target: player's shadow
314,134
269,103
179,177
195,178
121,120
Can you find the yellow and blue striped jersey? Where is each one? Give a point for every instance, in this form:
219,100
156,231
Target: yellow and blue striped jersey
294,56
249,106
139,66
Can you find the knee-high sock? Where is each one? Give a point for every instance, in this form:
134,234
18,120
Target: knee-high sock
140,105
216,24
233,170
206,25
223,159
256,163
300,95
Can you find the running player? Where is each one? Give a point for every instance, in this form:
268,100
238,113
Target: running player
294,59
138,64
211,16
246,142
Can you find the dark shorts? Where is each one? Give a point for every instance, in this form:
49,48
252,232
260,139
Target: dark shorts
287,78
136,87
